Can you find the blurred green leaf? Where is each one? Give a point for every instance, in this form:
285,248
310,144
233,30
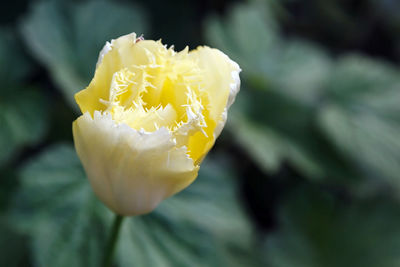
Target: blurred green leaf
67,37
249,36
301,71
273,129
294,68
13,246
22,109
317,229
268,147
362,115
15,66
282,86
202,226
56,208
291,87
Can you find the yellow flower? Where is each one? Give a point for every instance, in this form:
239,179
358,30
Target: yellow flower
150,115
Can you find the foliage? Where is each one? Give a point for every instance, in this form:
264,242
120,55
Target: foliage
335,120
317,229
22,106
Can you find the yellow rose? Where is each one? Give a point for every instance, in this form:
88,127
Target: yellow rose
150,115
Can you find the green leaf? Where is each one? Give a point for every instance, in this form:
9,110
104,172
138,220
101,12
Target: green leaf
248,35
362,116
319,229
57,209
201,226
13,245
292,67
67,37
16,66
22,109
301,71
268,147
273,129
283,82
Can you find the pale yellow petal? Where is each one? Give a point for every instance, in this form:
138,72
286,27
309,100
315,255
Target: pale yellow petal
221,78
119,54
221,83
131,171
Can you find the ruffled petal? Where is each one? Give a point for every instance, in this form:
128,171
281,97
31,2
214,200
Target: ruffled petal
221,83
115,55
131,171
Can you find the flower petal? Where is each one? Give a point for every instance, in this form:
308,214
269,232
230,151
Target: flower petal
221,78
221,84
117,55
131,171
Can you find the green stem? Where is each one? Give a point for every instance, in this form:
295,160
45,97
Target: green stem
112,241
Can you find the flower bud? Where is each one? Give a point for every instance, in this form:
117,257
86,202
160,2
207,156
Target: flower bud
150,115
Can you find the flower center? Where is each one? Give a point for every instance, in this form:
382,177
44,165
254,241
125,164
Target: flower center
164,93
